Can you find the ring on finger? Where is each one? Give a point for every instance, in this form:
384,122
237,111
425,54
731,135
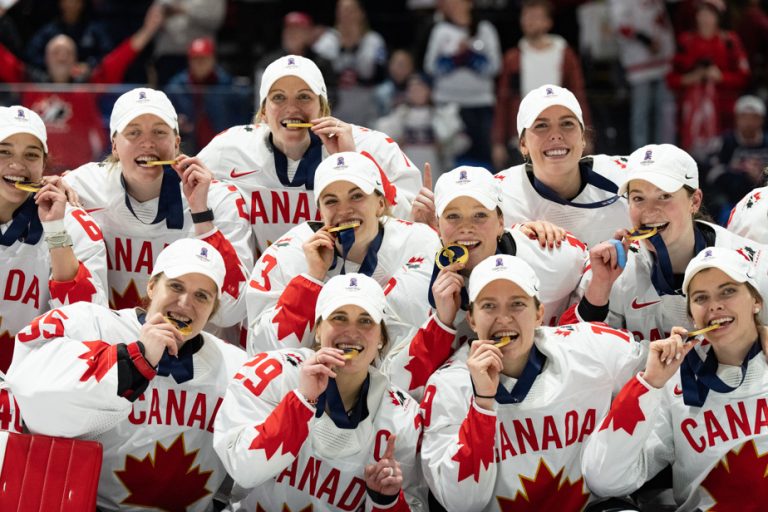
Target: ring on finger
390,471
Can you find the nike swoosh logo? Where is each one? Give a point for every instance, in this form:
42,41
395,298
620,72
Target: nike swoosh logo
688,177
677,390
234,174
640,305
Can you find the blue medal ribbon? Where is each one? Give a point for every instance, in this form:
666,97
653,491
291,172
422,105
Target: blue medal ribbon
305,173
662,276
181,367
331,399
347,240
26,225
169,207
588,176
532,369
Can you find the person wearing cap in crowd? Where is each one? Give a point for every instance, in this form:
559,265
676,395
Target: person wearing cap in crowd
699,407
273,161
145,383
636,278
324,411
740,167
556,184
468,204
506,418
146,195
288,277
52,253
206,97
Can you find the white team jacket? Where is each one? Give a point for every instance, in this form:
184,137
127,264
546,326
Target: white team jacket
158,450
133,246
748,217
242,155
525,456
284,458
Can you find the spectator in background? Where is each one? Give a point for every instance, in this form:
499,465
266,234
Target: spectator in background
206,98
391,92
91,38
298,36
710,71
539,58
753,29
646,46
738,166
9,32
359,57
425,132
186,20
463,56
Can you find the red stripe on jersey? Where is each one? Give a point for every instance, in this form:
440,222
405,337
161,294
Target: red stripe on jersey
476,441
235,275
625,411
296,308
79,289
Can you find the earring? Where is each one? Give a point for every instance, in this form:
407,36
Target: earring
380,346
757,310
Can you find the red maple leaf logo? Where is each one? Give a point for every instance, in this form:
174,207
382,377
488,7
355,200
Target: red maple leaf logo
499,177
294,314
564,331
101,356
79,289
6,349
167,481
234,275
272,432
130,298
625,411
475,444
738,482
546,491
575,242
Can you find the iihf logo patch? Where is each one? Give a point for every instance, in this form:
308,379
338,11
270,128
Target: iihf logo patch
20,115
648,158
352,282
340,162
291,62
708,253
550,92
142,96
203,256
499,262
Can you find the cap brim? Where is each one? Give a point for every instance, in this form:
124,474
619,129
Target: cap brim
126,120
342,300
733,274
485,200
182,270
664,182
485,282
356,180
8,131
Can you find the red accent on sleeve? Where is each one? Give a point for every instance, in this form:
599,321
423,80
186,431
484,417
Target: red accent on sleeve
79,289
569,316
430,348
12,70
476,440
625,411
140,362
296,308
390,191
273,433
101,356
235,274
112,67
400,505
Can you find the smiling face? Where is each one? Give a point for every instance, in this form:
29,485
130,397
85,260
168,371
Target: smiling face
350,327
555,141
190,298
22,158
671,213
502,308
342,202
290,100
144,139
714,297
467,222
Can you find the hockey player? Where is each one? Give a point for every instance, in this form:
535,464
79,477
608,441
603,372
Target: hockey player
748,216
505,419
321,428
51,254
662,185
289,275
145,384
700,407
273,160
467,201
556,184
142,205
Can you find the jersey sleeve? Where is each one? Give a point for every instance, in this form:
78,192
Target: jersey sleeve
250,434
64,380
234,240
457,450
632,443
280,299
744,217
616,351
90,282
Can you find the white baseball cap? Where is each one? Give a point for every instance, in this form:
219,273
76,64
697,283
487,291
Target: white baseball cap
503,266
737,264
749,105
191,256
475,182
538,100
348,166
293,65
17,119
666,166
140,101
356,289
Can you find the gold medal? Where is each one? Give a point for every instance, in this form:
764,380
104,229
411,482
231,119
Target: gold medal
161,162
642,234
503,342
299,125
183,327
28,186
351,225
451,254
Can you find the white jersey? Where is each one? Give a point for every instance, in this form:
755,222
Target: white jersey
560,273
748,217
525,455
717,451
521,202
281,297
10,415
133,245
158,449
285,458
243,155
635,304
26,287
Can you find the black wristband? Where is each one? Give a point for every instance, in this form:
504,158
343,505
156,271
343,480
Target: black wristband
588,312
484,396
381,499
206,216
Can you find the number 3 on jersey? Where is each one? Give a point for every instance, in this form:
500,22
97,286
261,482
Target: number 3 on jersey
267,263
